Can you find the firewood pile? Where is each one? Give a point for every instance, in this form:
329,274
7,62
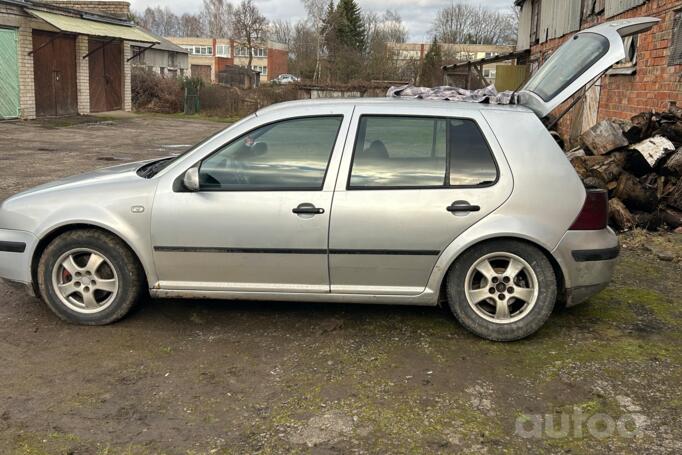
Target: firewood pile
639,162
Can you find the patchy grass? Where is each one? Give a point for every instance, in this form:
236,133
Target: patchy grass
200,117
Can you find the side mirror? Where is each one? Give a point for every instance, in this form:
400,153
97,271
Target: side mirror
191,179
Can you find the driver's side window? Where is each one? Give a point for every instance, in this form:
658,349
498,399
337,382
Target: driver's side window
287,155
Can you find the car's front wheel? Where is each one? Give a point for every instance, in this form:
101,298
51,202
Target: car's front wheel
89,277
502,290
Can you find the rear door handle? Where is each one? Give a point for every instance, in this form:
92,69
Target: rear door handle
307,209
462,206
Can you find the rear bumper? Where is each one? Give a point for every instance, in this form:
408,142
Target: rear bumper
15,255
588,259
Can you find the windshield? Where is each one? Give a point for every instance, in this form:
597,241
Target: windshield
567,64
149,170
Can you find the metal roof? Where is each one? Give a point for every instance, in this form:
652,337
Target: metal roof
80,26
483,61
164,44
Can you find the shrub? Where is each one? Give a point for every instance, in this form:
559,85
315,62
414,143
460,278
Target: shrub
153,93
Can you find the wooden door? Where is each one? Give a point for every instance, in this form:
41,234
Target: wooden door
106,75
54,69
202,71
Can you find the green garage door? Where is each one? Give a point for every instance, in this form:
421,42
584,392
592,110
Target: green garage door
9,74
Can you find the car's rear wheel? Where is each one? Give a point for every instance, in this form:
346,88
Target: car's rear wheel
89,277
502,290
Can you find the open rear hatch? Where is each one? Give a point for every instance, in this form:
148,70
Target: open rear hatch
584,57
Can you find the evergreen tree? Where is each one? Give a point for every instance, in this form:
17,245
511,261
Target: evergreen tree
431,73
351,28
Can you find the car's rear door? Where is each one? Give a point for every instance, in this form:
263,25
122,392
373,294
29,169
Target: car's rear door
585,56
260,221
408,185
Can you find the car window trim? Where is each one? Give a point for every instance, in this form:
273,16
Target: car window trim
446,184
273,189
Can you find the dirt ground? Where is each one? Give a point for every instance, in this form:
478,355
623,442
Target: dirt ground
195,377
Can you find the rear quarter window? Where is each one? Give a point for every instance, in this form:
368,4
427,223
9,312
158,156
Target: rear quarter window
471,160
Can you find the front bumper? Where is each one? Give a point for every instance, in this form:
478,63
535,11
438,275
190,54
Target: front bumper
588,259
16,248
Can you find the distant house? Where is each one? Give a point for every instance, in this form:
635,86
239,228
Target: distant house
165,58
210,56
650,76
65,57
413,54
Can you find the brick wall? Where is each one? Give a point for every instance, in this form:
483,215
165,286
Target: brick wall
278,63
82,75
109,8
651,87
127,92
27,99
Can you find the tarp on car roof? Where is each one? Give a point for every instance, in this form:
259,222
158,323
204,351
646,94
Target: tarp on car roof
80,26
447,93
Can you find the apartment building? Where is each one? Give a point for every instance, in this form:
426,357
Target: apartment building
208,56
413,53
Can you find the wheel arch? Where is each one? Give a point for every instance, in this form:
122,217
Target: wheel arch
48,237
558,271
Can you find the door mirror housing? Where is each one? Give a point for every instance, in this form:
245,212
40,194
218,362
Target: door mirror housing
191,179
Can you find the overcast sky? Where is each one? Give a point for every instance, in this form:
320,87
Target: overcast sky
417,14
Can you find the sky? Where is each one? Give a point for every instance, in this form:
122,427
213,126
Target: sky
417,14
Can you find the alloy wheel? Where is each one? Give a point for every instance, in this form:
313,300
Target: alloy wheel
501,287
85,280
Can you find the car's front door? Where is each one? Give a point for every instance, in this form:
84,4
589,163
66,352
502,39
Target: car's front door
408,186
260,219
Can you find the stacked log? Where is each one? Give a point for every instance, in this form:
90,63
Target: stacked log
639,162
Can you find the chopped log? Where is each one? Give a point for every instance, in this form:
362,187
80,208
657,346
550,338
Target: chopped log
671,217
647,220
654,149
609,170
583,164
576,152
674,198
672,131
595,182
675,110
674,164
644,123
604,137
619,216
631,132
635,195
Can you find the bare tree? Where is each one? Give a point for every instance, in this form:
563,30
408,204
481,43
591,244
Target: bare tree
160,21
464,23
281,31
191,25
216,15
250,26
316,10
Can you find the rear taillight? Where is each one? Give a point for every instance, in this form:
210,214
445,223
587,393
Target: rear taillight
595,212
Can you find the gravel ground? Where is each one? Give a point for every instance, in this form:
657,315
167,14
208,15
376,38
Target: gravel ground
194,377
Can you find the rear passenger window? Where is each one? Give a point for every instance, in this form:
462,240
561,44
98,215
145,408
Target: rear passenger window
420,152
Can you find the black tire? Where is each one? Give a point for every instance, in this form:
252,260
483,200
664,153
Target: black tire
495,331
123,261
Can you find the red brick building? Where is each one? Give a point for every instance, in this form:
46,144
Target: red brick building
209,56
647,80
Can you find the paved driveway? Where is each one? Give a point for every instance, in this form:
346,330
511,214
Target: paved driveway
239,377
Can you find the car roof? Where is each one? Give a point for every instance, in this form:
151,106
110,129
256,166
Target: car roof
412,103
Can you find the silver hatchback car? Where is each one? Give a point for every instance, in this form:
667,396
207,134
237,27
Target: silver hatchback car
369,201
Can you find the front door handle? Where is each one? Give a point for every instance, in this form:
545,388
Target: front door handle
307,209
462,206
